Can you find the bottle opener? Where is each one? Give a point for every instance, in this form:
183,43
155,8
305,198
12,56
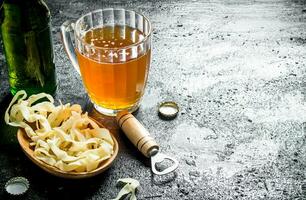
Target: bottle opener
141,138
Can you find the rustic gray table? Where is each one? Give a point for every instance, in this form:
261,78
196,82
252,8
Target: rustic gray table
236,68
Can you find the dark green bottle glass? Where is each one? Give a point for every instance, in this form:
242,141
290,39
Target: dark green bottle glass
27,44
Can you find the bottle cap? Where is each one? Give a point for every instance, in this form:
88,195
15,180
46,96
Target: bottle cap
303,187
17,186
168,110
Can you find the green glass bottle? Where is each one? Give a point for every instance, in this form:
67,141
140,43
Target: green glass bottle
27,44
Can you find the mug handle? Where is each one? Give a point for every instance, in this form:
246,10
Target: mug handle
66,32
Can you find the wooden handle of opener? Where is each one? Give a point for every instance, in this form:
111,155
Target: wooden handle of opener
136,133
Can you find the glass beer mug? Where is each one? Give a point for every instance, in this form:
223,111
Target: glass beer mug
112,53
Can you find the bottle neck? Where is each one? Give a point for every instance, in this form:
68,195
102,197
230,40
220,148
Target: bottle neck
28,14
19,1
22,2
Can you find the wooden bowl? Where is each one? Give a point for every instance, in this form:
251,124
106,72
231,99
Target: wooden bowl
24,141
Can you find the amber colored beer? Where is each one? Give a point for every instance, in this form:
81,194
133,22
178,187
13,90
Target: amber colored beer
114,83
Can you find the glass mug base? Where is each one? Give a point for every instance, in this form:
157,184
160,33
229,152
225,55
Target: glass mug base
112,112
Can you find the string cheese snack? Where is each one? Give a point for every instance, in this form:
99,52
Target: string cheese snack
129,188
61,135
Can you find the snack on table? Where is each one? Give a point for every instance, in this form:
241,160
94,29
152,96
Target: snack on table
129,188
61,136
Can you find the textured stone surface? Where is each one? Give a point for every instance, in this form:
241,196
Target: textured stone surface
237,70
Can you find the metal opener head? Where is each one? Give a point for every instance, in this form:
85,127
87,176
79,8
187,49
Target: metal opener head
157,157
